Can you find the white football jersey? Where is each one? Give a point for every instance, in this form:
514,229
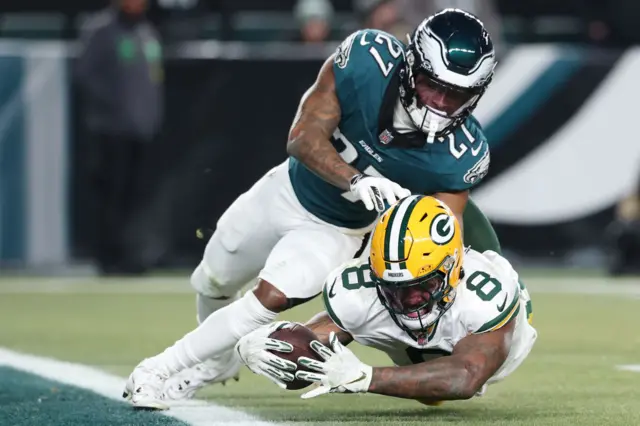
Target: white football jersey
487,297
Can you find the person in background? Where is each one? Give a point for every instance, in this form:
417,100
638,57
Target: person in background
314,17
119,74
612,23
383,15
623,236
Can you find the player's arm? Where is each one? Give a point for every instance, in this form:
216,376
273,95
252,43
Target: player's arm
309,142
459,376
322,325
457,201
317,117
255,349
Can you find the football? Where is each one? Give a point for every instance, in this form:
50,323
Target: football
299,337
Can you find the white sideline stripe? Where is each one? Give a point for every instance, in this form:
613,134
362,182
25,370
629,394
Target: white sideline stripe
633,367
593,286
195,412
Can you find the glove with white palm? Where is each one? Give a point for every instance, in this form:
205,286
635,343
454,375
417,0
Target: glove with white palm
373,191
254,348
341,370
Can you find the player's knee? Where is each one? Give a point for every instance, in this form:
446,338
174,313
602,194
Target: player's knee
203,281
270,297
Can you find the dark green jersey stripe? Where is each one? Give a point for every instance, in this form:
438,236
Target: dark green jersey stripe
387,237
403,227
510,312
330,311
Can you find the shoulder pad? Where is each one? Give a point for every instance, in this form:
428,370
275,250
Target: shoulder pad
354,52
491,296
364,61
348,294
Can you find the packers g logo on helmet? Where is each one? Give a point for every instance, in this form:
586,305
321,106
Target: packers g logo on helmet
416,260
442,228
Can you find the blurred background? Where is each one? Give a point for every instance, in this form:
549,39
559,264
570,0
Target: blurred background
128,127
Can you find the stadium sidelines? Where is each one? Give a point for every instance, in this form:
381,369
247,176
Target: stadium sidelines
195,412
180,285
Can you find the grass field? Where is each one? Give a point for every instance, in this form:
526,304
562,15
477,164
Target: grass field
587,327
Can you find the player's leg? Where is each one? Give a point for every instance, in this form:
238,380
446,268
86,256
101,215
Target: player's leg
478,232
238,249
218,279
295,272
234,255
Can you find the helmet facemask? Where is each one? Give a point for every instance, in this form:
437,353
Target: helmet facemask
417,304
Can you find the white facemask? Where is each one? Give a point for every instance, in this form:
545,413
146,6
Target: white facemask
421,119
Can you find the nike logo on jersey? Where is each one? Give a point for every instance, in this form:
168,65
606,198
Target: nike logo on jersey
504,303
363,41
331,292
476,151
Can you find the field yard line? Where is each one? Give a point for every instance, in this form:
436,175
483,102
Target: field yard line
195,412
633,367
602,286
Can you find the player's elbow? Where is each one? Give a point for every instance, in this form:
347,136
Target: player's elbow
470,381
295,141
292,148
462,388
465,380
467,391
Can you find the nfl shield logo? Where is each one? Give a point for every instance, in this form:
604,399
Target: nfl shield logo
386,137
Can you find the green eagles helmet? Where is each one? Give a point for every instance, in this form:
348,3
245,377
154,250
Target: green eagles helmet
449,63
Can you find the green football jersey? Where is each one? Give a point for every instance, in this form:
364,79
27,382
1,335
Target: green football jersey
367,85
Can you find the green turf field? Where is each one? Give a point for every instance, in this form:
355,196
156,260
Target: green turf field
586,328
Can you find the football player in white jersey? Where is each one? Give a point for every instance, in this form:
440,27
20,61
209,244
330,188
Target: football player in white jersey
451,320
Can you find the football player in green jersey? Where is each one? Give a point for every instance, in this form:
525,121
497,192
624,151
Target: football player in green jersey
382,120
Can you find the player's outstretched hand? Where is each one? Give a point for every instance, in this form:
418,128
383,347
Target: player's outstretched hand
254,348
341,370
373,191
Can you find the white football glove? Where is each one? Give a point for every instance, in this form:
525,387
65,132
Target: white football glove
341,370
374,190
253,351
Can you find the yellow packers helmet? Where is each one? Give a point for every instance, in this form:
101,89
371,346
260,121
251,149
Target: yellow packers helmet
416,261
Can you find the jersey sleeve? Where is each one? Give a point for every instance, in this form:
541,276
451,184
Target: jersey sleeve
362,64
494,296
346,295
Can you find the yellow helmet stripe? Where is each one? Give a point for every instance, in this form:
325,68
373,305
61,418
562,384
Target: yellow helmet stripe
394,241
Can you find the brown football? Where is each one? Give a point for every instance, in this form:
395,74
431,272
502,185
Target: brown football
299,337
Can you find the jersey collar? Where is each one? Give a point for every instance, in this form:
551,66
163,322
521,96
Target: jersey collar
387,133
